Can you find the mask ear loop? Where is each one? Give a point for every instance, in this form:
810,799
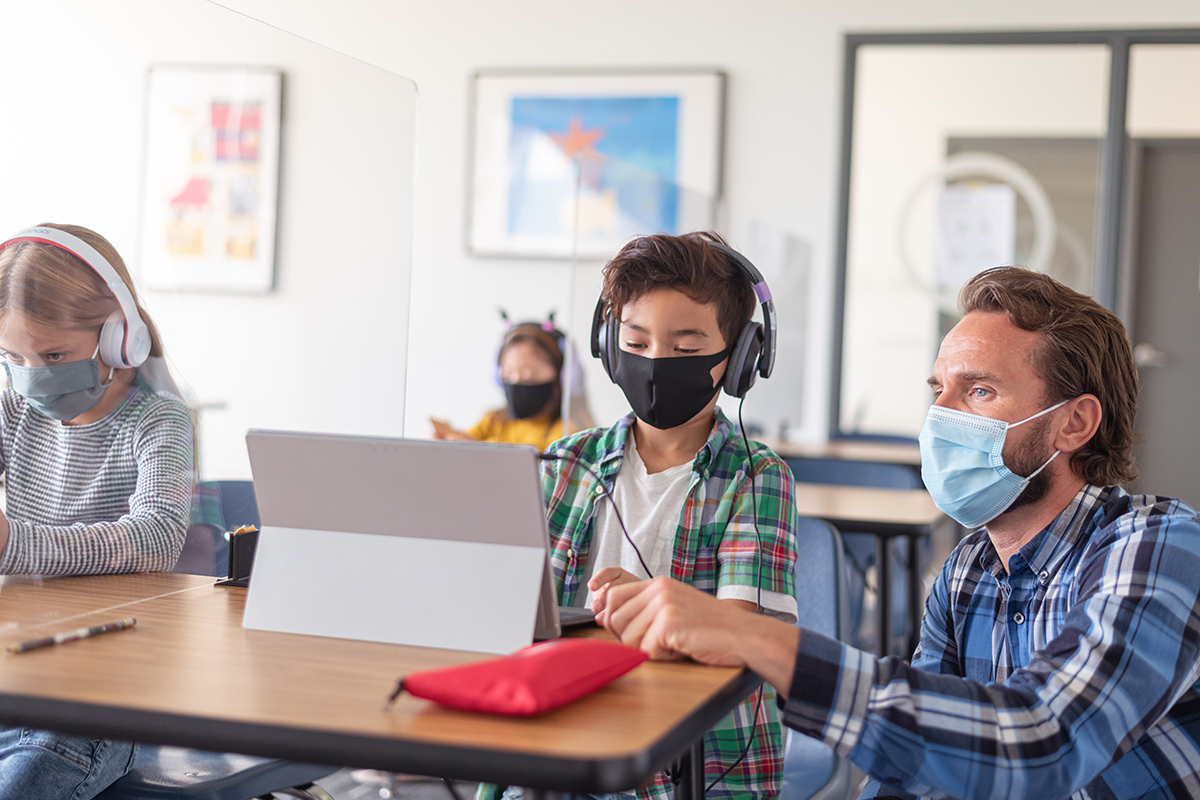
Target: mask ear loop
1035,416
111,369
1040,413
1043,466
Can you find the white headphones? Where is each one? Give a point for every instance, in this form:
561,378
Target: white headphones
124,339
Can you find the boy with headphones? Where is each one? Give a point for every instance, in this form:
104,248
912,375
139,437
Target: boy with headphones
674,327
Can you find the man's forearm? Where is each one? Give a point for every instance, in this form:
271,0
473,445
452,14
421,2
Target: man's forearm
769,648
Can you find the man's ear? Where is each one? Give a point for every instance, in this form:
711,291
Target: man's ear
1080,424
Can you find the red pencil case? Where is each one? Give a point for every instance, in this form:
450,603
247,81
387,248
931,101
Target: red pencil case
531,680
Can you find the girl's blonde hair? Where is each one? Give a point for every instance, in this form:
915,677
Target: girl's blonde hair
53,287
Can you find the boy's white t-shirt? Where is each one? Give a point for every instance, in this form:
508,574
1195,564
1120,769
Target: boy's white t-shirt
650,506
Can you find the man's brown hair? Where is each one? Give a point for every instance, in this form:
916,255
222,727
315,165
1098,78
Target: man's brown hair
688,263
1082,349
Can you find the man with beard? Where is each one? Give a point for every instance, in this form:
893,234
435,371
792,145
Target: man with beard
1059,648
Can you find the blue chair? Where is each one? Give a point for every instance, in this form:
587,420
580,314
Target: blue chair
811,770
860,547
217,507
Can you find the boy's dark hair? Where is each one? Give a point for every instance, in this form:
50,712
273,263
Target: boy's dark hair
687,263
1083,349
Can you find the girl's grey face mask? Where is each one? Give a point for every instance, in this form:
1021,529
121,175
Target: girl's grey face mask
60,391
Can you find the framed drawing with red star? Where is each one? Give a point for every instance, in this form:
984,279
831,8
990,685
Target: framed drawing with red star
575,164
211,178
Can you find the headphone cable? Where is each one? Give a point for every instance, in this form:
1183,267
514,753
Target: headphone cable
758,602
757,571
605,491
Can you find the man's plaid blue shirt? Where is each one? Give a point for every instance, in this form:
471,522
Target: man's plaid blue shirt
1081,665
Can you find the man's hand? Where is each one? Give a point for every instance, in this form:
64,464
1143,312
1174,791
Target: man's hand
669,620
604,580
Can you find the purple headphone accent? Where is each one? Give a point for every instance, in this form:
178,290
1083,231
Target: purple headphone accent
763,292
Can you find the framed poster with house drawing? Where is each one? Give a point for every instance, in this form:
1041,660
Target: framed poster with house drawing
209,198
588,160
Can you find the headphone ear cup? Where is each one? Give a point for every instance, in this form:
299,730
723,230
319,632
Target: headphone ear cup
612,336
599,340
112,341
743,360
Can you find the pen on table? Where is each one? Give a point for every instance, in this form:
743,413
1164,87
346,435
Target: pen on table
71,636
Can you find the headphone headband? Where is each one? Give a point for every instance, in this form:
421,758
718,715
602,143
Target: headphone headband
135,343
766,363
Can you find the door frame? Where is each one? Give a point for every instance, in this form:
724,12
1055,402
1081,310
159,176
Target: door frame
1113,283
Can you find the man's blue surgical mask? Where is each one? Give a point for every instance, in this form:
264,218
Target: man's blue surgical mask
60,391
963,467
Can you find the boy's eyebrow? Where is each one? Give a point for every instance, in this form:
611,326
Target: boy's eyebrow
683,332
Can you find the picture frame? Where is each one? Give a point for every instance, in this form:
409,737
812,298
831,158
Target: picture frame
211,178
608,154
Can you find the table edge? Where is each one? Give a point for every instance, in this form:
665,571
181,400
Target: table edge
339,749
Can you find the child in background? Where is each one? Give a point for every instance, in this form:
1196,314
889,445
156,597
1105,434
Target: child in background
98,465
530,365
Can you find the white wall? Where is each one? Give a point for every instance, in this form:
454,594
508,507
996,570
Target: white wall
784,63
326,350
783,58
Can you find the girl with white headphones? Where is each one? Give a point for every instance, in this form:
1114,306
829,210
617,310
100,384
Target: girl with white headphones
98,465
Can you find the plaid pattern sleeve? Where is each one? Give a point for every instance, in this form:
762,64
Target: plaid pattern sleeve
1072,673
715,545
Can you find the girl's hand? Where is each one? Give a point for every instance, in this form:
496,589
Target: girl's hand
605,579
442,430
3,531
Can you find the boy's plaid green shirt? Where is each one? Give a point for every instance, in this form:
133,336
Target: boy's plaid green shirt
715,546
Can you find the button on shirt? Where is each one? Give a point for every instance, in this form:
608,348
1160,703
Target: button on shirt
1080,663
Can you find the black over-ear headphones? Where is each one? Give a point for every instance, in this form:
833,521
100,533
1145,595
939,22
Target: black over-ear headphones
753,353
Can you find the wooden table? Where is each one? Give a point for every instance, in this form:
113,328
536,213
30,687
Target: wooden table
189,674
886,514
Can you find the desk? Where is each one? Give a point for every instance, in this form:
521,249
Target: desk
885,513
848,450
190,675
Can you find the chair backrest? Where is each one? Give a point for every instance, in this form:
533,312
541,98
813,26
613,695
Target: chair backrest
238,503
820,575
811,770
840,472
217,507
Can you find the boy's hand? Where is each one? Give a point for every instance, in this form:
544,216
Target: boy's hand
669,620
604,580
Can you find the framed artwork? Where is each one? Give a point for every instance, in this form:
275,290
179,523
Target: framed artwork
587,160
210,192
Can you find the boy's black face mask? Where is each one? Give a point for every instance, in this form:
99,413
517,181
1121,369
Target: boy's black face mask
524,400
667,392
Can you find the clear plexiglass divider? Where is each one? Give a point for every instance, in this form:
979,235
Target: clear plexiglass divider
257,188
